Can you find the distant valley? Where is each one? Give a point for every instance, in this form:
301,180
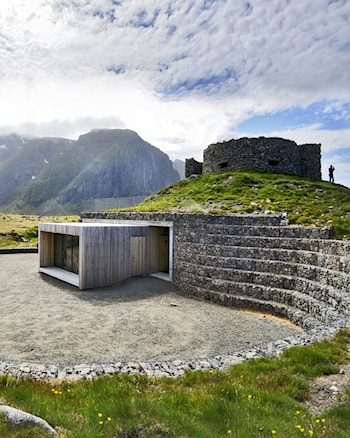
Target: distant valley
61,176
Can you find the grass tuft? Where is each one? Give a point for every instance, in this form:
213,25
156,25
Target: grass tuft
306,201
258,398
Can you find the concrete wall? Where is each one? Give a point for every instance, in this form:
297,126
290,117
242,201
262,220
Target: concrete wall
258,262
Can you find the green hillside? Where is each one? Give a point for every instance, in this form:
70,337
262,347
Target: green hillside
305,201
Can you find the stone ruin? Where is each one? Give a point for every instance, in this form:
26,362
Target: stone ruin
271,154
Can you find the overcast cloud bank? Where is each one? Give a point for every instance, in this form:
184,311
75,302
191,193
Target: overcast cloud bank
183,74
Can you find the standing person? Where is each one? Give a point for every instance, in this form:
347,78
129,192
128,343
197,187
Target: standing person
331,173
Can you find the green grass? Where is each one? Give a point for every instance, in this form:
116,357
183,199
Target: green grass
305,201
20,231
258,398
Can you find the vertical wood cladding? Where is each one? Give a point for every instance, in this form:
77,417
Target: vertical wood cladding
108,254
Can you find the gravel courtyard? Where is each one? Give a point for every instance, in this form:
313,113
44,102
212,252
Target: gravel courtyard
145,319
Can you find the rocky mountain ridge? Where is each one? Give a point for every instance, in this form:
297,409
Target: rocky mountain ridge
57,175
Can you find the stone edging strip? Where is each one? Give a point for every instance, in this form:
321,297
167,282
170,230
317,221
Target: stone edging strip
172,368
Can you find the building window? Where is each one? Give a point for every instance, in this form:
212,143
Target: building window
223,165
274,162
67,252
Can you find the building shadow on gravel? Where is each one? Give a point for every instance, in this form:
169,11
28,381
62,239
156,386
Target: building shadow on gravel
132,289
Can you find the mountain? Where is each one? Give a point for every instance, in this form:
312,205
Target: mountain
56,175
179,166
9,145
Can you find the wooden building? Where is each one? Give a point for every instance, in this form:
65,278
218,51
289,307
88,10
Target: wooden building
90,255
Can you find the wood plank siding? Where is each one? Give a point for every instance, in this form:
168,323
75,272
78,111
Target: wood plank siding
109,254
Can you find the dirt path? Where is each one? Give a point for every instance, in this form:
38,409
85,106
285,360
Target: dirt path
45,320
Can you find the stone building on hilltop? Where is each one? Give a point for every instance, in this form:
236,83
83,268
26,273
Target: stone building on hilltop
271,154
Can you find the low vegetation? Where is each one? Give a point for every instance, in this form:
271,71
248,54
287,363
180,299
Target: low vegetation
258,398
21,231
303,200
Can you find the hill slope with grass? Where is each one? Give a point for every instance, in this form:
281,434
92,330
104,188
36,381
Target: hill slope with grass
305,201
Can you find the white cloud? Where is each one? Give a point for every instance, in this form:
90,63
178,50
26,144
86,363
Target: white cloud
181,73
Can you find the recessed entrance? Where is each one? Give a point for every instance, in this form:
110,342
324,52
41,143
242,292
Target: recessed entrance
66,252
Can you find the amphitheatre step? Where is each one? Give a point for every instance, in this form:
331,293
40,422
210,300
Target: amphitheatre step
183,218
291,232
312,258
323,276
261,220
334,247
295,315
303,294
271,279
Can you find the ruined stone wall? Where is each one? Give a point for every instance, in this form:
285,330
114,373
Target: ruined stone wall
193,167
270,154
310,155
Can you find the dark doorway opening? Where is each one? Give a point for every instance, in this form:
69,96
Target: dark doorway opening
66,252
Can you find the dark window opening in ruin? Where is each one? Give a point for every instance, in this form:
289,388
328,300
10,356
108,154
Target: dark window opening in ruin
223,165
67,252
274,162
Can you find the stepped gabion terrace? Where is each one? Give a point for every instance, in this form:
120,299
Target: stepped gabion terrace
257,262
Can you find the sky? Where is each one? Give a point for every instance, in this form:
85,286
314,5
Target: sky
181,73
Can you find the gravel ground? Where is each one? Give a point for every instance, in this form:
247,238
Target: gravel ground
144,318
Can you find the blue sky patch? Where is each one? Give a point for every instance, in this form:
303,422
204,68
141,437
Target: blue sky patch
344,153
142,18
206,84
116,69
330,115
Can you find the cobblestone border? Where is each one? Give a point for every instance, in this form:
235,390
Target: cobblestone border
173,368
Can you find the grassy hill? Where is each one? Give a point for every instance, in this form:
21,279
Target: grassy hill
258,398
303,200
